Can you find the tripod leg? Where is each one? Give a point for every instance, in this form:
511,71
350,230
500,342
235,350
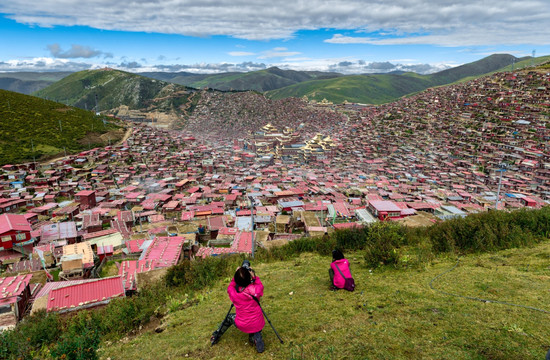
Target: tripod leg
226,324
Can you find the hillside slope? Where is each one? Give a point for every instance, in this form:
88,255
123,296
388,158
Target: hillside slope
29,82
371,89
261,80
51,127
378,89
393,314
113,88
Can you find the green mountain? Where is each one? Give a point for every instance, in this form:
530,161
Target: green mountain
29,82
110,89
261,80
34,128
378,89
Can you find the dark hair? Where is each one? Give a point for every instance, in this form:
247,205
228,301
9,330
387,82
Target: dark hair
243,277
337,255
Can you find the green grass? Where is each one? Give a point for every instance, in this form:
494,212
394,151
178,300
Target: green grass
28,122
109,269
370,89
393,314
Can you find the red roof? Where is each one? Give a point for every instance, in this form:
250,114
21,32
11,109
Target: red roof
85,295
98,234
85,193
165,251
105,249
13,286
128,271
133,246
13,222
242,242
384,205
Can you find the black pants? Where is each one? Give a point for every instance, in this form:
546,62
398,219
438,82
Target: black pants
331,274
226,324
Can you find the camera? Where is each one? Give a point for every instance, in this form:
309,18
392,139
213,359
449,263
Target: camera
246,265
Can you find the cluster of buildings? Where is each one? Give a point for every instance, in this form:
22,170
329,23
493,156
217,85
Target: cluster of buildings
287,145
162,196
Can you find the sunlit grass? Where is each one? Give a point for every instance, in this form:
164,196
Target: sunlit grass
393,314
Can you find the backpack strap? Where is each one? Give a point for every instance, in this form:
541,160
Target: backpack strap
340,271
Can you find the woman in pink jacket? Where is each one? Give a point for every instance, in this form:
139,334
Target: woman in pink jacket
244,292
339,271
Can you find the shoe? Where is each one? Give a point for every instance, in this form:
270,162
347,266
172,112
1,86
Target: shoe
251,339
259,342
214,338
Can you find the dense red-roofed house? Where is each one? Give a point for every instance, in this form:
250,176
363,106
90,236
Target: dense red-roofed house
165,251
85,295
104,251
86,198
527,201
129,269
384,209
242,242
14,297
91,222
14,229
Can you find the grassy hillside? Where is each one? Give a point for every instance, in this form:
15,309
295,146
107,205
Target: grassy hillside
393,314
518,64
261,80
25,118
377,89
371,89
113,88
29,82
403,307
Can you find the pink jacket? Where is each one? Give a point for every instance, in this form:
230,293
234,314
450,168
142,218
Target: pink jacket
249,317
343,264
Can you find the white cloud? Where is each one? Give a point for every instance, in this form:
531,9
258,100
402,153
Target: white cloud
46,64
439,22
340,65
76,51
341,39
277,52
240,53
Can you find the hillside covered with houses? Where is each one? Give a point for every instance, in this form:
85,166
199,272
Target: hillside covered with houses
214,188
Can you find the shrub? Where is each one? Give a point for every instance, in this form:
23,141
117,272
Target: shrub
81,346
383,240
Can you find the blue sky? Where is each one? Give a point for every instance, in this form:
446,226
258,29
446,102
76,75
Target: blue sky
353,36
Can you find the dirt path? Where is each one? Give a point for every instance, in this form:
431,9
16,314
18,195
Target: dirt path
124,138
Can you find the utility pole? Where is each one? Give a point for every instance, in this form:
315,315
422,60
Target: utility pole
252,215
33,156
502,169
60,128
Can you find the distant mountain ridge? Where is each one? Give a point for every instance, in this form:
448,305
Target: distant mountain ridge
378,89
261,80
29,82
108,89
114,88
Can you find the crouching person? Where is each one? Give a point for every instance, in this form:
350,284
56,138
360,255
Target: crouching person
340,273
244,291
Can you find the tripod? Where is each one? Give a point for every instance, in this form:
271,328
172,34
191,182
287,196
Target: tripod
216,336
269,321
